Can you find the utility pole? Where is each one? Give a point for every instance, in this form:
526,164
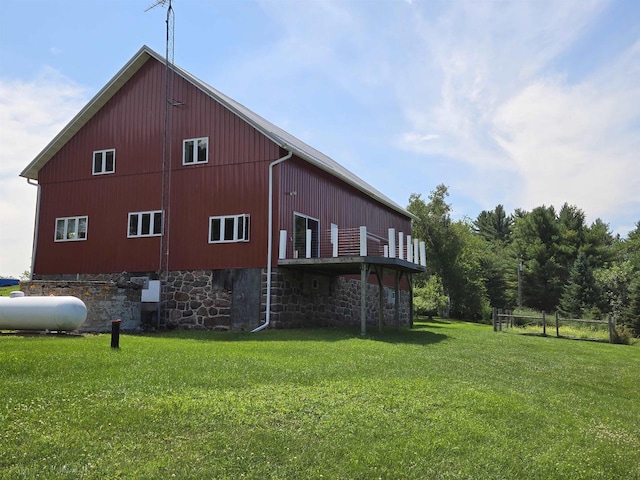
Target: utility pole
163,266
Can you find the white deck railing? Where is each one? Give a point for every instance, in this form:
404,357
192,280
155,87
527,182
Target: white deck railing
352,242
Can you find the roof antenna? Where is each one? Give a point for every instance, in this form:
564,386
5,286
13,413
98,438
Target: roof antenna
170,27
163,264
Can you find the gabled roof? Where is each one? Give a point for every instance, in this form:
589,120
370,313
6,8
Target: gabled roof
283,139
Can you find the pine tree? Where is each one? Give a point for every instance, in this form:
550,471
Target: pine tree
580,293
632,313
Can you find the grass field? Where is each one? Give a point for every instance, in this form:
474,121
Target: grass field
5,291
596,332
444,400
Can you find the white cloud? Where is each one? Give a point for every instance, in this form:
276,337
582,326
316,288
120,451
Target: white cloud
577,143
474,91
479,54
420,137
505,107
31,114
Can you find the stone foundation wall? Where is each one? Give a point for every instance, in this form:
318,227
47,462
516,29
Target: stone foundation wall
213,299
307,300
192,301
233,299
105,301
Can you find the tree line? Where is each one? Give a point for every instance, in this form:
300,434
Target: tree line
564,264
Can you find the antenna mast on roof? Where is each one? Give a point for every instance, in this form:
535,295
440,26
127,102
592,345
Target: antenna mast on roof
170,24
163,266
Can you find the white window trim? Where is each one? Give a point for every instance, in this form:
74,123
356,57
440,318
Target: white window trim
307,218
195,150
152,214
75,237
244,217
104,161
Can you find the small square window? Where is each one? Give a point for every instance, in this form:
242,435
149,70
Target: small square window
104,161
195,150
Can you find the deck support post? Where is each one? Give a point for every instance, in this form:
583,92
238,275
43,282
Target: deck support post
410,281
380,276
396,313
365,270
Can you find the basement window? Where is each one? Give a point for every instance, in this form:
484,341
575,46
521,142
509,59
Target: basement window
145,224
229,228
104,161
71,229
195,150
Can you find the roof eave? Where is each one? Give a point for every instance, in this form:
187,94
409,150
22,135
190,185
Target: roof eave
94,105
392,205
283,142
131,67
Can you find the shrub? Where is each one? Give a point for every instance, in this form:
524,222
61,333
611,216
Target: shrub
622,335
430,298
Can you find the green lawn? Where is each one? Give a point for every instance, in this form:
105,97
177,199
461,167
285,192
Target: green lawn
5,291
444,400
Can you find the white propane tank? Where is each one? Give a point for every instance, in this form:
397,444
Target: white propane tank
62,313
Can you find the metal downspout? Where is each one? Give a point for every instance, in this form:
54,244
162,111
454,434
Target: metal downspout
270,242
35,228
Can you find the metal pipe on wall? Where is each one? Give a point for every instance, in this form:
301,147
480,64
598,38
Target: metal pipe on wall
270,242
35,228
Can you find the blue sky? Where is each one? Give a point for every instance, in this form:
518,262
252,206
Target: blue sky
515,103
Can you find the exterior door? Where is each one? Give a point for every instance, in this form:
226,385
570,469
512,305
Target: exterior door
302,223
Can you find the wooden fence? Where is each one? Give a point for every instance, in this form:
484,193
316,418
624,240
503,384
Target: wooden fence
507,319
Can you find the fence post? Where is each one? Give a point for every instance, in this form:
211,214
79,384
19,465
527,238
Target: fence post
494,318
544,324
500,319
115,333
557,325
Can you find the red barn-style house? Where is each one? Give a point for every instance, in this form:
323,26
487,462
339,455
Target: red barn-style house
223,219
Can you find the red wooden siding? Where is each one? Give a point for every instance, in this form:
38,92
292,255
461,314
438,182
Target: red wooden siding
234,181
322,196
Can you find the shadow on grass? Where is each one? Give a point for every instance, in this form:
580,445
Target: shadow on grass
429,321
388,335
407,337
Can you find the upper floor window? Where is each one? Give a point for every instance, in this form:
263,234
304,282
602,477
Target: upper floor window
104,161
70,229
195,150
230,228
145,224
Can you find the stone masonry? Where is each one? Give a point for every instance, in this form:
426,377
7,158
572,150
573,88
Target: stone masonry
193,301
233,299
307,300
105,300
